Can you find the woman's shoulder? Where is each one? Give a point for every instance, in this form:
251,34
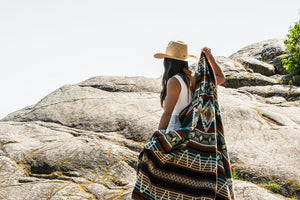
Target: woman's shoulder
174,81
178,77
173,87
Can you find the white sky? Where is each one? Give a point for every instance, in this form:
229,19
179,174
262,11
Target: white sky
46,44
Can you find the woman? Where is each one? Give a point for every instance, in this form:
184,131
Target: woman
188,160
179,82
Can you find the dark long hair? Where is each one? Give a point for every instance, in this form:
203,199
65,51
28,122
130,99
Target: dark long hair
173,67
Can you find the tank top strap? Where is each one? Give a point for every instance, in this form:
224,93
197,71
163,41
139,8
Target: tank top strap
180,80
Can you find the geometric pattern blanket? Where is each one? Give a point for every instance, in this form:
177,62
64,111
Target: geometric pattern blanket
192,162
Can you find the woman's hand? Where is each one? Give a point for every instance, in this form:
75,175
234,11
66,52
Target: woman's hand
206,51
216,68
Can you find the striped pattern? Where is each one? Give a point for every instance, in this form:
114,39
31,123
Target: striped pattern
190,163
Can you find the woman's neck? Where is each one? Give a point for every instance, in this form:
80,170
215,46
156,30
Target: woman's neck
188,72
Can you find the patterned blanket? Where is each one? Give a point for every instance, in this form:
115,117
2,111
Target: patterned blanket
190,163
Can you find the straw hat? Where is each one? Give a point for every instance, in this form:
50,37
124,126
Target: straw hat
177,50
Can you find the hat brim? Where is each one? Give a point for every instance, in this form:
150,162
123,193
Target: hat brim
163,55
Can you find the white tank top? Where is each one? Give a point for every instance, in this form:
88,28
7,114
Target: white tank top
184,98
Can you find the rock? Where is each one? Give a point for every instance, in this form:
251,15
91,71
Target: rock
50,152
277,63
267,51
289,92
44,190
229,66
236,80
237,76
261,137
275,100
100,191
123,83
103,193
283,79
248,191
90,108
83,140
10,171
257,65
